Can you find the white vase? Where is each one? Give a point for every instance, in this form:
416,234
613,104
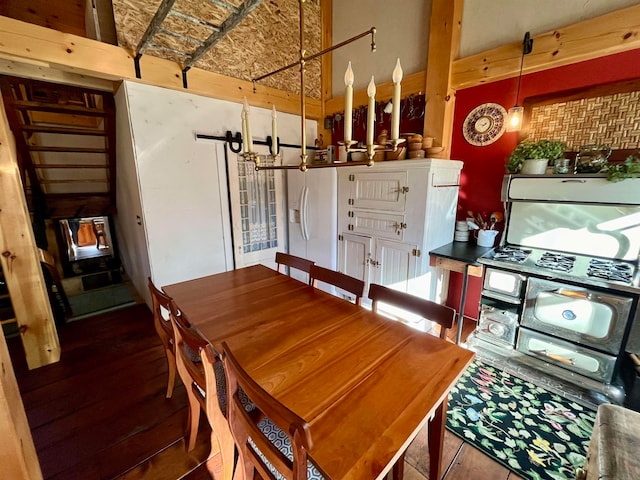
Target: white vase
534,166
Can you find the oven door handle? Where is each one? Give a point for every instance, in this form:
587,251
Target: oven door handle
554,356
572,293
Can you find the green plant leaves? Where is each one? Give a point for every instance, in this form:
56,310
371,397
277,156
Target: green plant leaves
616,172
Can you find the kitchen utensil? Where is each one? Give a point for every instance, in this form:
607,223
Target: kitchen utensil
472,225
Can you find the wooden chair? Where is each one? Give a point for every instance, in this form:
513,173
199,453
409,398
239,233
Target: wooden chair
271,439
292,261
440,314
222,443
337,279
162,324
188,345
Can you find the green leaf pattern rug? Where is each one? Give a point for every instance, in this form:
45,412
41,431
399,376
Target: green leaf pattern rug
533,432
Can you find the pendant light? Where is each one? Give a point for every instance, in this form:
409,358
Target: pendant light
514,117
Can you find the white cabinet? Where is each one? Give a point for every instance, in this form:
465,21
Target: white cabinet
391,216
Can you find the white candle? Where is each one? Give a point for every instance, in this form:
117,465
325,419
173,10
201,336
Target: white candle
348,103
247,122
243,116
371,112
274,132
395,113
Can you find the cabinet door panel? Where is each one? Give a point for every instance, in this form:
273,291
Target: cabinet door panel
380,190
383,225
395,264
355,252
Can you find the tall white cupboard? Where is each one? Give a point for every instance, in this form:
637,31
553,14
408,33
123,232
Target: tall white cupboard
390,217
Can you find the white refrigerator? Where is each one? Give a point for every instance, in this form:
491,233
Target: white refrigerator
312,214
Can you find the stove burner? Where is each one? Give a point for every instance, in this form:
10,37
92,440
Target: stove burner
556,261
512,254
616,271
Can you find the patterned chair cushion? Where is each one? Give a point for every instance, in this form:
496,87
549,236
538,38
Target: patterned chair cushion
221,385
282,443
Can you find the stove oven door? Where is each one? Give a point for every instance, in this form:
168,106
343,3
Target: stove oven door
583,316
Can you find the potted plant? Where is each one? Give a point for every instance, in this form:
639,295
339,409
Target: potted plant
533,157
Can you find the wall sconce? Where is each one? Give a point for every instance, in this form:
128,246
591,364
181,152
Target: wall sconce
514,117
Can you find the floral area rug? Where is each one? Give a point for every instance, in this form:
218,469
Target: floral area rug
531,431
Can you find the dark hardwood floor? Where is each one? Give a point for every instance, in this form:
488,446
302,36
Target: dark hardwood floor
100,413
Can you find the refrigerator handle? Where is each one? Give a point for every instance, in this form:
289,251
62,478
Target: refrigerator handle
304,210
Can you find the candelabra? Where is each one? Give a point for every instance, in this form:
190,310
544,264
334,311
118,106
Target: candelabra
350,145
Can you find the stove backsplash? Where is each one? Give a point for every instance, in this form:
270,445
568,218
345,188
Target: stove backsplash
576,214
608,231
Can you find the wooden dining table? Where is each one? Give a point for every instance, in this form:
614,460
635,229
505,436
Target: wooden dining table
364,383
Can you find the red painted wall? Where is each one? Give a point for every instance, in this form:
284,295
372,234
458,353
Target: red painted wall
484,166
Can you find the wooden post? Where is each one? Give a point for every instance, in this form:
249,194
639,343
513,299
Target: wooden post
444,47
326,23
17,452
20,261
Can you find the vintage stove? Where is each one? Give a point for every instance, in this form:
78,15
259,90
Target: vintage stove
560,294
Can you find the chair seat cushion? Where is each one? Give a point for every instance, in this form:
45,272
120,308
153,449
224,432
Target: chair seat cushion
282,443
221,386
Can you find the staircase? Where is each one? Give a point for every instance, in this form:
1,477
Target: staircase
65,139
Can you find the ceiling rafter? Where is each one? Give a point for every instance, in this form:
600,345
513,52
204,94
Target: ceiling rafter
165,9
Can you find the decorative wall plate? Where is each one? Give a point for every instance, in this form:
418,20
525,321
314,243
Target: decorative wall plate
484,124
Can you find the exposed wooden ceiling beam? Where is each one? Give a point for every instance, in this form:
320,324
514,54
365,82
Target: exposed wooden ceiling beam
161,13
229,24
444,46
614,32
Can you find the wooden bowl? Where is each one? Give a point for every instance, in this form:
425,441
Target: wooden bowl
427,142
399,154
413,146
434,150
416,154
